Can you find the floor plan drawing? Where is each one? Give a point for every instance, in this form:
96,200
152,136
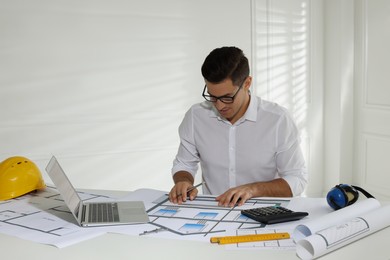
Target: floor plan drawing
203,217
282,244
43,217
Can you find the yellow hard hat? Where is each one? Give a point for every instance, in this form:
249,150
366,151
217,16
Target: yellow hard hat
18,176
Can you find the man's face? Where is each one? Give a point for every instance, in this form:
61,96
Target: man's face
235,110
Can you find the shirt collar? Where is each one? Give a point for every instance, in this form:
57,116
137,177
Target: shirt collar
250,114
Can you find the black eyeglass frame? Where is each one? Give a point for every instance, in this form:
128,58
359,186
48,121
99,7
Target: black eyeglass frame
223,99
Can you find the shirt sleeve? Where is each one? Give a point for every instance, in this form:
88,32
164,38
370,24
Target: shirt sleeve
187,157
290,162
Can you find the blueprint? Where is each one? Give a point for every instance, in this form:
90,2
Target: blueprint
43,217
203,216
202,219
284,244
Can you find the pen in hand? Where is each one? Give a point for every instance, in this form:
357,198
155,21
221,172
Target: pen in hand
190,189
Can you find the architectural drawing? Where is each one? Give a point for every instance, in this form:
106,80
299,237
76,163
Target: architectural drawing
284,244
43,217
203,216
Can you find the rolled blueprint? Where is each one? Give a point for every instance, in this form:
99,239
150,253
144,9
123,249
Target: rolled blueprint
312,226
344,233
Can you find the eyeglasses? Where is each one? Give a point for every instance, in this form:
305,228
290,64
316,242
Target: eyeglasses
223,99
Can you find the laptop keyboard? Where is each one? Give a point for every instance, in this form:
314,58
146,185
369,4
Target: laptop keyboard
103,212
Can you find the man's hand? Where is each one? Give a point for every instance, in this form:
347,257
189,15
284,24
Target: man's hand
183,183
180,191
235,196
239,195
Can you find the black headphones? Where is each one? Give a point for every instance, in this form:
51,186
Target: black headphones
343,195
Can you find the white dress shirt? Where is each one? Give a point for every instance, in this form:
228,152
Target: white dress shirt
261,146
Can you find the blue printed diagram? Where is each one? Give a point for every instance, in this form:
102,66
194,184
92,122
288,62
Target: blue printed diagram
206,215
191,228
203,216
166,212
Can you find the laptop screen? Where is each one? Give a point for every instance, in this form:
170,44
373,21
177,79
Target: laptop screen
64,186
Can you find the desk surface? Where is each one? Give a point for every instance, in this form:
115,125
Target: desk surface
117,246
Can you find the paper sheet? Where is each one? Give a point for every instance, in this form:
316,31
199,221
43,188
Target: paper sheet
335,217
283,244
344,233
43,217
197,220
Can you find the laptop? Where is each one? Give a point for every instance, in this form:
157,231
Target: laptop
95,213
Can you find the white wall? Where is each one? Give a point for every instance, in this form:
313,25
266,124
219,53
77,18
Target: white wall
338,92
288,69
104,84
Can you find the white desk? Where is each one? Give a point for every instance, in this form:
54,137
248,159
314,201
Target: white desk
116,246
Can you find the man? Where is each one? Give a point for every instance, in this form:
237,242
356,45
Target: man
247,147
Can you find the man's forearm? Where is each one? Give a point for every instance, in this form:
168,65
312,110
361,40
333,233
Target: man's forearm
183,176
275,188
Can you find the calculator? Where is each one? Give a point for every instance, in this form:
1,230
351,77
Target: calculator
273,214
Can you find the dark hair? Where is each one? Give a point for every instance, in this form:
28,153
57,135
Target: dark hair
226,62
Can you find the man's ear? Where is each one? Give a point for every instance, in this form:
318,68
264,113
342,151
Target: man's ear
247,83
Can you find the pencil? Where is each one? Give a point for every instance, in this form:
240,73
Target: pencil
192,188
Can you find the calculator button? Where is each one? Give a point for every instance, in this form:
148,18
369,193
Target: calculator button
273,214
